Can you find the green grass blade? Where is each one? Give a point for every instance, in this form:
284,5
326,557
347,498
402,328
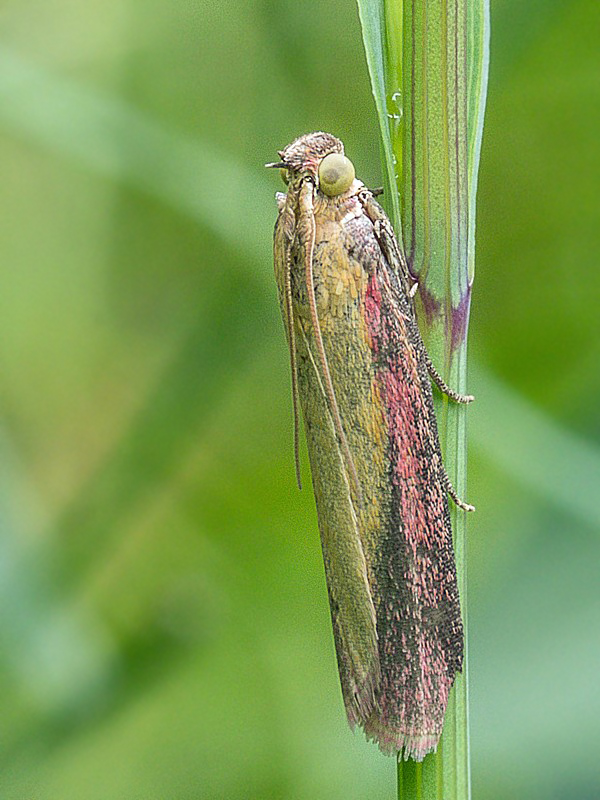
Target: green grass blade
372,19
432,67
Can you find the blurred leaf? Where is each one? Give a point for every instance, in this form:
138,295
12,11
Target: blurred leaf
169,423
108,136
535,450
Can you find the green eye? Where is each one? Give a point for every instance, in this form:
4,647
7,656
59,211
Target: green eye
336,173
285,176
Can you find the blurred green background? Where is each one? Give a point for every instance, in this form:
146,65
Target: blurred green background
163,616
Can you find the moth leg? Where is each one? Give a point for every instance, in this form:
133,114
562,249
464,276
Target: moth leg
288,226
443,386
434,374
386,237
294,367
452,492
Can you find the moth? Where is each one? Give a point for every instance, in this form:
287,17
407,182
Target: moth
361,375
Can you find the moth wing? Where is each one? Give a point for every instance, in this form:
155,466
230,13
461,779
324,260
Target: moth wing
419,624
389,562
351,604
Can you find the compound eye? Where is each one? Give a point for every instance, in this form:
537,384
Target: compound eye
285,176
336,173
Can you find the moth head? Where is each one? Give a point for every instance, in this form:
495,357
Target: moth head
321,156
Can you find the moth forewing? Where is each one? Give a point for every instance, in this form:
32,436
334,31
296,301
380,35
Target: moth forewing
353,613
361,372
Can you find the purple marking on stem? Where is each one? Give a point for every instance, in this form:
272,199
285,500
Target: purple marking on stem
459,320
431,306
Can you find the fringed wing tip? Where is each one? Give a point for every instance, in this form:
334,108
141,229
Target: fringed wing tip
362,711
401,744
